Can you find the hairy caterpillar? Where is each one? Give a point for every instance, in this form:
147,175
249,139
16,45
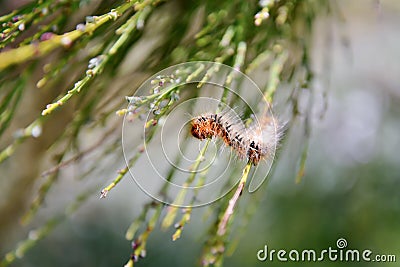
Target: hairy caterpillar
255,143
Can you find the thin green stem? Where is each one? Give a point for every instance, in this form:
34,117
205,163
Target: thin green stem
172,210
28,52
222,226
38,234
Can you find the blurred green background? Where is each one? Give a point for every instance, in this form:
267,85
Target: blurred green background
350,189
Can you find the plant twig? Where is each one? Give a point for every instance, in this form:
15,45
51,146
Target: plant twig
38,234
222,226
28,52
172,210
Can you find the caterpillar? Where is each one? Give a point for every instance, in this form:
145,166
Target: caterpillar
254,143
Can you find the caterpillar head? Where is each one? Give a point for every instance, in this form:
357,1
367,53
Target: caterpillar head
201,128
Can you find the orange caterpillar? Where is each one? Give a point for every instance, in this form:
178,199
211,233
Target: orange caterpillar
254,143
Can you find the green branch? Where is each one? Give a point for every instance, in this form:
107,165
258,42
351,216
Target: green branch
31,51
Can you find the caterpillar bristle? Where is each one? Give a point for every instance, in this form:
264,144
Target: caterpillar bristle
255,143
